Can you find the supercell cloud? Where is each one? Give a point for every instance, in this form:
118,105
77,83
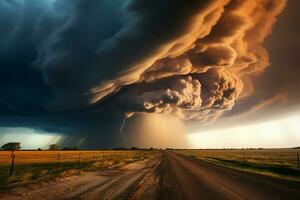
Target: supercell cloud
87,64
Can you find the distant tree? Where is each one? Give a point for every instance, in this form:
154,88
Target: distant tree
11,146
53,147
134,148
169,148
39,149
69,148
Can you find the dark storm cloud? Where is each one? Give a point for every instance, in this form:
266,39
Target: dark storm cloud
88,63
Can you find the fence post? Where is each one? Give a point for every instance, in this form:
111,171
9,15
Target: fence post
79,157
298,160
12,166
93,156
58,157
102,160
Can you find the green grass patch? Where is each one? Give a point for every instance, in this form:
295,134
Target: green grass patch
25,172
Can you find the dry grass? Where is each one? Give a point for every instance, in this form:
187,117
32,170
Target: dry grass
35,157
286,157
281,163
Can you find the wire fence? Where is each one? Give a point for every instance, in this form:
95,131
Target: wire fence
282,157
9,160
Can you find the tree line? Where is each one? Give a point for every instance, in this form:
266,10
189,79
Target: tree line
14,146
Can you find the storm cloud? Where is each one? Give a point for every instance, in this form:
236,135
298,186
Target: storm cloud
89,64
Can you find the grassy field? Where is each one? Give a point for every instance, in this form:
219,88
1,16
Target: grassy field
280,163
33,165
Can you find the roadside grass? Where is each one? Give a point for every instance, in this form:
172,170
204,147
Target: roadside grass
278,171
278,163
28,172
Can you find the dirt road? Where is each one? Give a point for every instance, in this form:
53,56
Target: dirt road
188,178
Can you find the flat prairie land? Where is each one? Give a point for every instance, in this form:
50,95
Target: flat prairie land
32,165
170,174
33,157
281,163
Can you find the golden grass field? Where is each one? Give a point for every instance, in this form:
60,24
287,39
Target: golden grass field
287,157
34,157
282,163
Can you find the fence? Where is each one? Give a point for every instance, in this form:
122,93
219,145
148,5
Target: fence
9,160
282,157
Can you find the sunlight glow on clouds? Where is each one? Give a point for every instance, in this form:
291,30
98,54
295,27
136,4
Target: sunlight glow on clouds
280,133
29,138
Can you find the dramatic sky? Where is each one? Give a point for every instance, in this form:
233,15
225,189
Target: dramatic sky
106,73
